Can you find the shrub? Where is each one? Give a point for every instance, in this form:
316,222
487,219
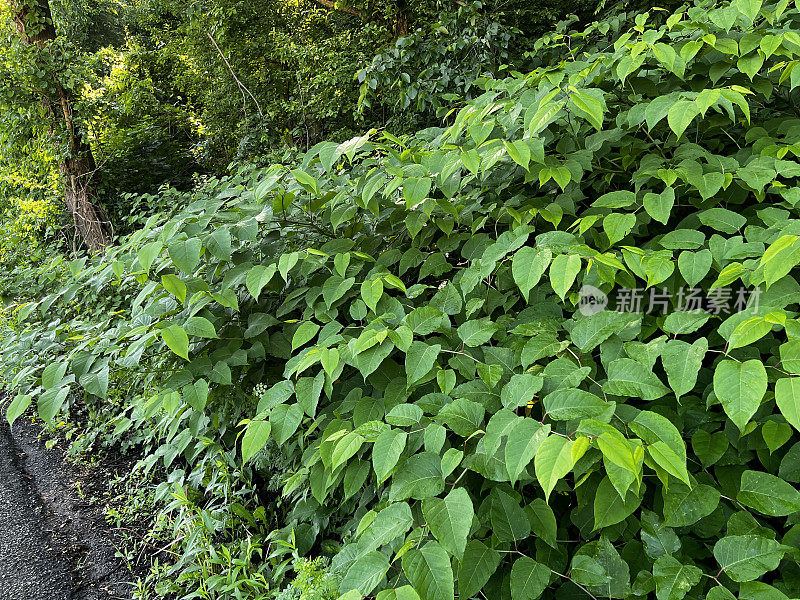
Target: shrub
455,413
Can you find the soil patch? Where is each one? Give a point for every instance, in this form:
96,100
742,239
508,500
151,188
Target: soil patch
54,542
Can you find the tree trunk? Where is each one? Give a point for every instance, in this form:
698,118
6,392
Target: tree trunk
34,23
401,20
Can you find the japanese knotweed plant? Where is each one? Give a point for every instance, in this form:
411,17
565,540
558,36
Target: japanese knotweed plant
546,350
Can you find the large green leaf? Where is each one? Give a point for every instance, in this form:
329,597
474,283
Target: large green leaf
335,288
405,592
53,374
618,225
520,390
425,320
49,404
563,270
148,253
586,570
683,362
415,190
371,292
365,574
477,332
429,571
658,539
345,448
450,520
627,377
285,420
524,440
185,254
659,206
591,331
571,403
177,340
528,266
673,578
520,152
590,106
464,417
787,397
304,333
768,494
748,557
219,243
543,521
681,114
418,477
780,258
509,521
748,332
255,437
554,459
478,565
740,387
652,427
708,447
96,381
17,407
609,507
196,394
386,452
388,525
175,286
666,458
258,277
420,359
528,579
684,505
200,327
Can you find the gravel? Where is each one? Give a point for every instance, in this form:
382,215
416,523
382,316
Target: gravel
30,567
54,544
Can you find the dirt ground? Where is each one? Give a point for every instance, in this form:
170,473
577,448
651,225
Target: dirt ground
54,543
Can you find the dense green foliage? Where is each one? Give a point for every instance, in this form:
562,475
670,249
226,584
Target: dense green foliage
372,369
165,90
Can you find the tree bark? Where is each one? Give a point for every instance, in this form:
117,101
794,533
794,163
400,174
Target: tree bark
401,20
34,22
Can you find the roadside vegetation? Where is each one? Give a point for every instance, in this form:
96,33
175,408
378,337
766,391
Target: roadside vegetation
420,302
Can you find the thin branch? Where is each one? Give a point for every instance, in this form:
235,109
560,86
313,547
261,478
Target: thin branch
239,83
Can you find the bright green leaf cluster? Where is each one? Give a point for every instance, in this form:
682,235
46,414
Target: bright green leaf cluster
416,312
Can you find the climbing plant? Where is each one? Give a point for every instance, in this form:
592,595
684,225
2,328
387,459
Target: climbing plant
547,350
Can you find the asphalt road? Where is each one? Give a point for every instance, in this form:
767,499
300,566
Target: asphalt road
30,568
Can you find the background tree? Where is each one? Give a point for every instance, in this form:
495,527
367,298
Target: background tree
159,91
42,61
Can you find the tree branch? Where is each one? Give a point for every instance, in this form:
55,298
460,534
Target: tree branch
239,83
